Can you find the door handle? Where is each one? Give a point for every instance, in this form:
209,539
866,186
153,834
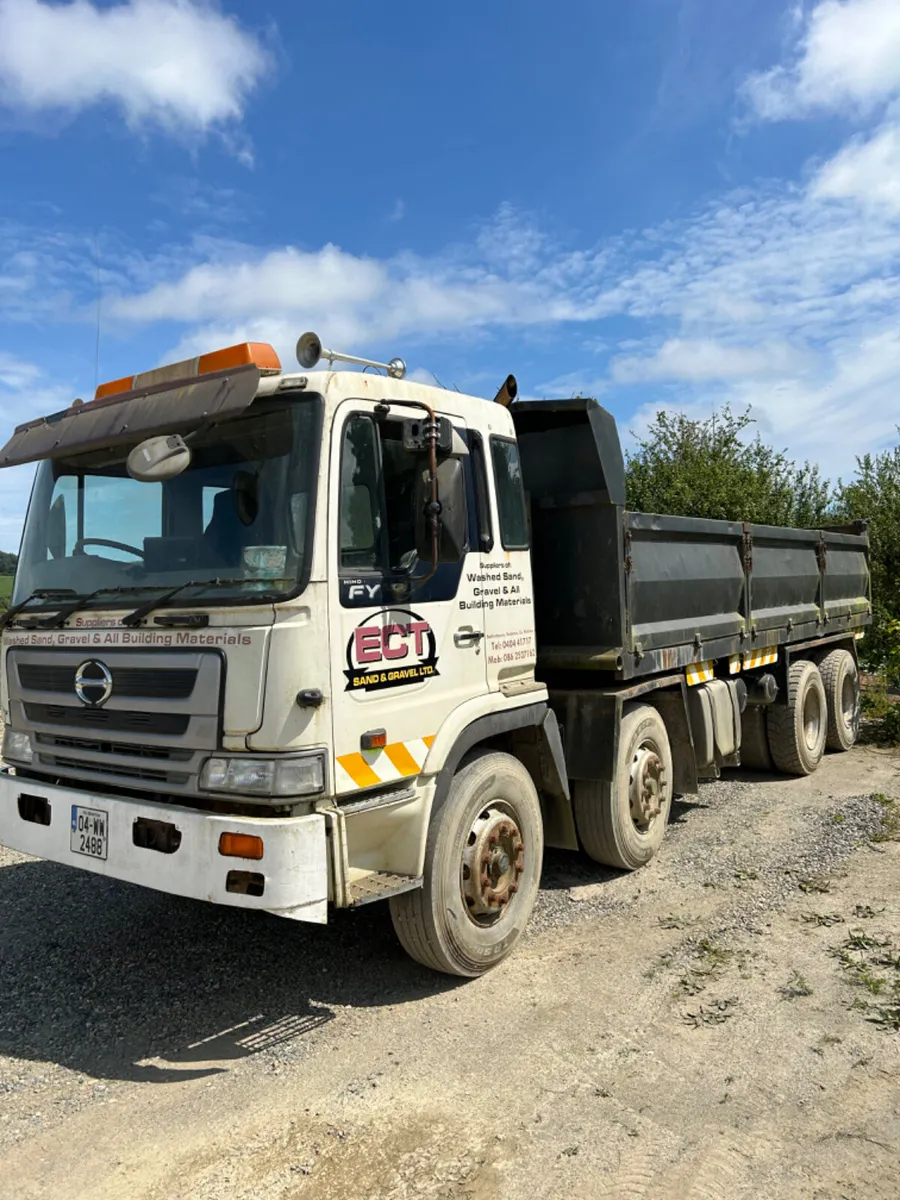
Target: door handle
467,637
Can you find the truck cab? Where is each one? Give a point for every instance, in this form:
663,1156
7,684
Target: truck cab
242,681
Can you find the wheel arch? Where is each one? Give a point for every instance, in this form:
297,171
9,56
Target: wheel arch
814,651
591,719
530,734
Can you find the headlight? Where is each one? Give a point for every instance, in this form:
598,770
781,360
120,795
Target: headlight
17,746
265,776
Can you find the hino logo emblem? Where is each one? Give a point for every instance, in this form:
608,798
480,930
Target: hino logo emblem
93,683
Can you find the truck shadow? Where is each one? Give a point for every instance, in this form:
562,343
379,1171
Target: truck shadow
566,869
119,982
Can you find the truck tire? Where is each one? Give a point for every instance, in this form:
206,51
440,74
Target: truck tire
483,859
797,730
755,752
841,680
622,823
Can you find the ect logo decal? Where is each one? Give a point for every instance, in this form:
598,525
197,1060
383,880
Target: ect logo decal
390,648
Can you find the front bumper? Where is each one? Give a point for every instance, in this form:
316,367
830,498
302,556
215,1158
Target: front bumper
294,866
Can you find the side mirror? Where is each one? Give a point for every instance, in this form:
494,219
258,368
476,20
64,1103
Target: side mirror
158,459
453,519
56,528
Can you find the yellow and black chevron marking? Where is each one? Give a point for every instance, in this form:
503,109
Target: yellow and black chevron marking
760,658
400,760
699,672
703,672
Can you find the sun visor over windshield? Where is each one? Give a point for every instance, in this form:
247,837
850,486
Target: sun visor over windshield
131,416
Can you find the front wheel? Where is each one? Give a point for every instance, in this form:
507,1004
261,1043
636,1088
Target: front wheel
482,870
622,823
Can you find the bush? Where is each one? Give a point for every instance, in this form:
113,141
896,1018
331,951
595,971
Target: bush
706,468
880,702
874,495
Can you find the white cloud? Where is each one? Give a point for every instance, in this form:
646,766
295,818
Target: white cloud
15,373
179,64
765,296
241,292
700,360
866,170
25,393
842,407
847,57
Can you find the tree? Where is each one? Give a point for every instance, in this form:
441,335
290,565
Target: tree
707,468
7,563
873,495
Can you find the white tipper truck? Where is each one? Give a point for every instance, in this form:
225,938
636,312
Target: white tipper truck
284,640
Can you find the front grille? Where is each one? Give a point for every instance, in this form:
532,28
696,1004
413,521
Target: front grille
129,772
162,723
123,749
158,683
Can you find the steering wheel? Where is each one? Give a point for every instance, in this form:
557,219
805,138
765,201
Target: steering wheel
79,546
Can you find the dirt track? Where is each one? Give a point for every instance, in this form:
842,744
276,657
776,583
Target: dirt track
685,1032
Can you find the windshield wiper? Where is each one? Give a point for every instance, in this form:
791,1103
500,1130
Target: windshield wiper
41,594
58,619
143,610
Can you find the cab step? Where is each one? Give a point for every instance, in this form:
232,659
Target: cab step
377,885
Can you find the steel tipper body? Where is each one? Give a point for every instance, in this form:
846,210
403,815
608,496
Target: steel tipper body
287,640
686,613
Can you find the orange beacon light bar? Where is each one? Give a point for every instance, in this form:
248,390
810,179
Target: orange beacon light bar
259,354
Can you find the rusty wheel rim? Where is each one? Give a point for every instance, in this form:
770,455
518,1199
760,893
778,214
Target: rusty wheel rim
646,786
492,865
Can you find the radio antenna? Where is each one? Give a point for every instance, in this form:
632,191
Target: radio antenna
97,343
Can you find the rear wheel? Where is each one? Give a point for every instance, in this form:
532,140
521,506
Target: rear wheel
622,824
841,680
797,730
483,863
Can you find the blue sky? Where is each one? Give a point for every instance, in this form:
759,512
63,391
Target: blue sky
669,203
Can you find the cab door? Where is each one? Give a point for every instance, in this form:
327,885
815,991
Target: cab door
405,653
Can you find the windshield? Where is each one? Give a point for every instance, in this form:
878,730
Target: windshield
242,511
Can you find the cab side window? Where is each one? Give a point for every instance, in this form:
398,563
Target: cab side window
482,494
399,470
511,510
380,489
378,486
360,512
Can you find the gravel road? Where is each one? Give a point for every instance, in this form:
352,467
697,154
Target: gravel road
716,1025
